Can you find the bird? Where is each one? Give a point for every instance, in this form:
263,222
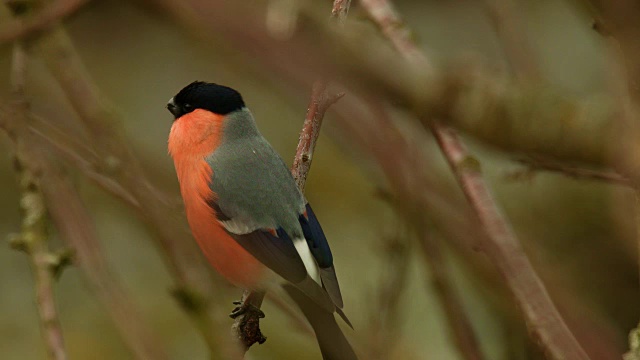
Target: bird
251,221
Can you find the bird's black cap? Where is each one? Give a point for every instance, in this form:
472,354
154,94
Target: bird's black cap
208,96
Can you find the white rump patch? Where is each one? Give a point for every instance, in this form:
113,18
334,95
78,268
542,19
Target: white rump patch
307,258
238,227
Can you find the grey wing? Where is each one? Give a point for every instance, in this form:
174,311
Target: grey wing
254,187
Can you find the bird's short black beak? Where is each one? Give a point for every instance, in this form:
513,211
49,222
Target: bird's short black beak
173,108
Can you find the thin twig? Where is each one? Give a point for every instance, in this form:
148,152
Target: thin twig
460,323
33,238
320,101
469,97
72,220
194,281
42,20
76,227
535,165
502,246
507,22
385,16
386,314
543,319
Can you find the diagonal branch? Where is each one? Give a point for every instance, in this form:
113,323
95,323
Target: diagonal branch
41,21
533,165
194,282
247,326
76,227
502,246
544,322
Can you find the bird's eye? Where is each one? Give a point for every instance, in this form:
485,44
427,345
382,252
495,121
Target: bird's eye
188,107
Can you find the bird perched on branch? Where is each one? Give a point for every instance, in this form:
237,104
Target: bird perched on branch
246,213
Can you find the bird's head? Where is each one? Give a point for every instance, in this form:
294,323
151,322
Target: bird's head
205,116
200,95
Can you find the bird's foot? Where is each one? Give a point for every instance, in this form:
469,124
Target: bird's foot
245,307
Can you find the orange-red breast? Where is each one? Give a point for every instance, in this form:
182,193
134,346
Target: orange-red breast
245,211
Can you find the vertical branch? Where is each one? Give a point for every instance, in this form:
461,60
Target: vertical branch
194,283
320,101
386,314
464,336
543,319
33,241
507,23
247,326
387,18
33,238
76,227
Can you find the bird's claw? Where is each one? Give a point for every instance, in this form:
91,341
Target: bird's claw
245,308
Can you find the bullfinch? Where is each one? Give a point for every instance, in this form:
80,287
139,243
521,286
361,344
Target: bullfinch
246,213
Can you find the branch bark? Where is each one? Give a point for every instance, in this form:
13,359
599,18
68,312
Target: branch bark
464,335
194,287
544,322
502,246
247,326
41,21
33,237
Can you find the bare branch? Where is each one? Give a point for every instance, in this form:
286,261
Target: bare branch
502,246
386,312
193,277
33,238
535,165
247,326
459,321
543,319
320,102
41,21
78,230
507,22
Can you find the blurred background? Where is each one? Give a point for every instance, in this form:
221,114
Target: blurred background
578,233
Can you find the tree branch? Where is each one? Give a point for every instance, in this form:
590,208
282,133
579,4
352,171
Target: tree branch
535,165
502,246
194,281
247,326
543,319
33,238
507,23
41,21
76,227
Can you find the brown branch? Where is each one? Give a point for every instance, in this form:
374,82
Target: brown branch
72,220
247,326
464,336
507,22
33,237
400,157
386,315
385,16
194,281
76,227
41,21
79,157
318,105
535,165
543,319
33,240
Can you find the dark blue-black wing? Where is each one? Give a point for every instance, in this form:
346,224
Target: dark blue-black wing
279,254
322,253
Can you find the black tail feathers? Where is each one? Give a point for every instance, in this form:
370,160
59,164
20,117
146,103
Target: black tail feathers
333,343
